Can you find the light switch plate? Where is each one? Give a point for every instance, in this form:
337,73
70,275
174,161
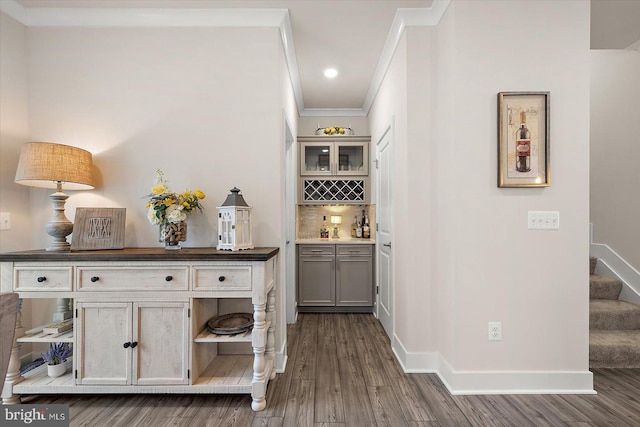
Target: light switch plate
544,220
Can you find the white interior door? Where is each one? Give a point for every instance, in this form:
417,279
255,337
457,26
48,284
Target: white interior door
384,253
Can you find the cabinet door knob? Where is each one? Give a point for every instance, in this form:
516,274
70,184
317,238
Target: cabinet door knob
134,344
95,278
126,345
221,278
41,279
168,278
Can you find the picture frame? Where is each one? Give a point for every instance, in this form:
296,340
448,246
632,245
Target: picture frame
98,228
523,153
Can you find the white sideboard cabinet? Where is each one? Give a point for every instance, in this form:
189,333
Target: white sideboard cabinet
139,320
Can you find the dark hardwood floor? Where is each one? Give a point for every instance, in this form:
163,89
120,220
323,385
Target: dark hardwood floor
341,372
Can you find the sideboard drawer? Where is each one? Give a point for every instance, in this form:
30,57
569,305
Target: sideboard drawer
227,278
133,278
29,278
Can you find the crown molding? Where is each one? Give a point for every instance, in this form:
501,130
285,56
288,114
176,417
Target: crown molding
242,17
14,10
423,17
634,46
141,17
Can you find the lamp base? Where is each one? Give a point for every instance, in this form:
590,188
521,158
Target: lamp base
59,227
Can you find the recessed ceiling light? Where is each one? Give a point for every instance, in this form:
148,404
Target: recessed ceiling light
330,73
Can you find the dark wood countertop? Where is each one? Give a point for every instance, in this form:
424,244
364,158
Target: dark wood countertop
143,254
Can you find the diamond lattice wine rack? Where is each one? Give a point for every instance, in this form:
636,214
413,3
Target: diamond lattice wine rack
334,190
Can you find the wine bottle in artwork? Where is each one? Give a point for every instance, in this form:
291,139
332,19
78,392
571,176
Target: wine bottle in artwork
523,145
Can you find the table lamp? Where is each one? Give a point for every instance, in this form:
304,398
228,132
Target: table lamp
336,220
56,166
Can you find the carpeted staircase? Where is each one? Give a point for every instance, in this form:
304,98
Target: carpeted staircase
614,325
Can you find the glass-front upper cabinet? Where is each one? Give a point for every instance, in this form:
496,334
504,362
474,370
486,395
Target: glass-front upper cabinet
334,158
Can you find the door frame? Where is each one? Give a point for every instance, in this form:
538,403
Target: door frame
289,226
389,131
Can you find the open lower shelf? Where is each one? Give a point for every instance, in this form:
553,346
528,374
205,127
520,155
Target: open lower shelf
225,374
37,380
233,371
206,336
42,337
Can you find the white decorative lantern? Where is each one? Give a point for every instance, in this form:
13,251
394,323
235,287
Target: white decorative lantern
234,223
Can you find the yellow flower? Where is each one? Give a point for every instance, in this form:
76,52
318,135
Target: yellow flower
148,205
169,202
158,189
186,194
186,205
199,194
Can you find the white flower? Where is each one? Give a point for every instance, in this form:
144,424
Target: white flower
175,214
153,219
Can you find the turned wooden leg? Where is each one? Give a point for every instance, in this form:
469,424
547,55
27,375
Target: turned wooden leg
13,372
271,333
258,384
63,310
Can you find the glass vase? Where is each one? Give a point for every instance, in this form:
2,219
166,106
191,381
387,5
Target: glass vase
172,234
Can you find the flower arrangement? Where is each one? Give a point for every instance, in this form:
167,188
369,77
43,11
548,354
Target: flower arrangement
167,207
58,353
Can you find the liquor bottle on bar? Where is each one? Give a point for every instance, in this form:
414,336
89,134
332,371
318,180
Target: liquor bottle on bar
366,230
523,145
354,227
324,230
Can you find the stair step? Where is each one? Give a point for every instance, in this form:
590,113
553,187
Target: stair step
608,314
614,349
602,287
592,264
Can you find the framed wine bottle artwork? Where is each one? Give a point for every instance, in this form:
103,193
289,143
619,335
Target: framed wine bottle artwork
523,139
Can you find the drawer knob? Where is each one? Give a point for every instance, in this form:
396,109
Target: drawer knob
126,345
221,278
134,344
94,279
41,279
168,278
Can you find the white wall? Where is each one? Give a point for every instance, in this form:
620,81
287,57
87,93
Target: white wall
14,128
615,150
401,100
205,105
485,264
199,103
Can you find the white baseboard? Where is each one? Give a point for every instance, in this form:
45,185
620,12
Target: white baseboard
493,382
281,358
414,363
613,265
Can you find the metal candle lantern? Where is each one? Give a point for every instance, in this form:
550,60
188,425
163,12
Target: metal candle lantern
234,223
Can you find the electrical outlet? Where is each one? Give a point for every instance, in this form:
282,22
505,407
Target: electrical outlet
543,220
5,221
495,331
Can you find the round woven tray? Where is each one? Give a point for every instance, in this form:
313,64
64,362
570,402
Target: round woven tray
230,324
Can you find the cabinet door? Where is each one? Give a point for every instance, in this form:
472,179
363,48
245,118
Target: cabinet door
354,285
316,281
316,158
103,329
161,331
352,158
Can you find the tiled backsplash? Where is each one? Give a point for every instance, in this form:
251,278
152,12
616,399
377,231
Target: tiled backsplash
309,219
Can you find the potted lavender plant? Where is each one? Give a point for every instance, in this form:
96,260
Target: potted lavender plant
56,358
